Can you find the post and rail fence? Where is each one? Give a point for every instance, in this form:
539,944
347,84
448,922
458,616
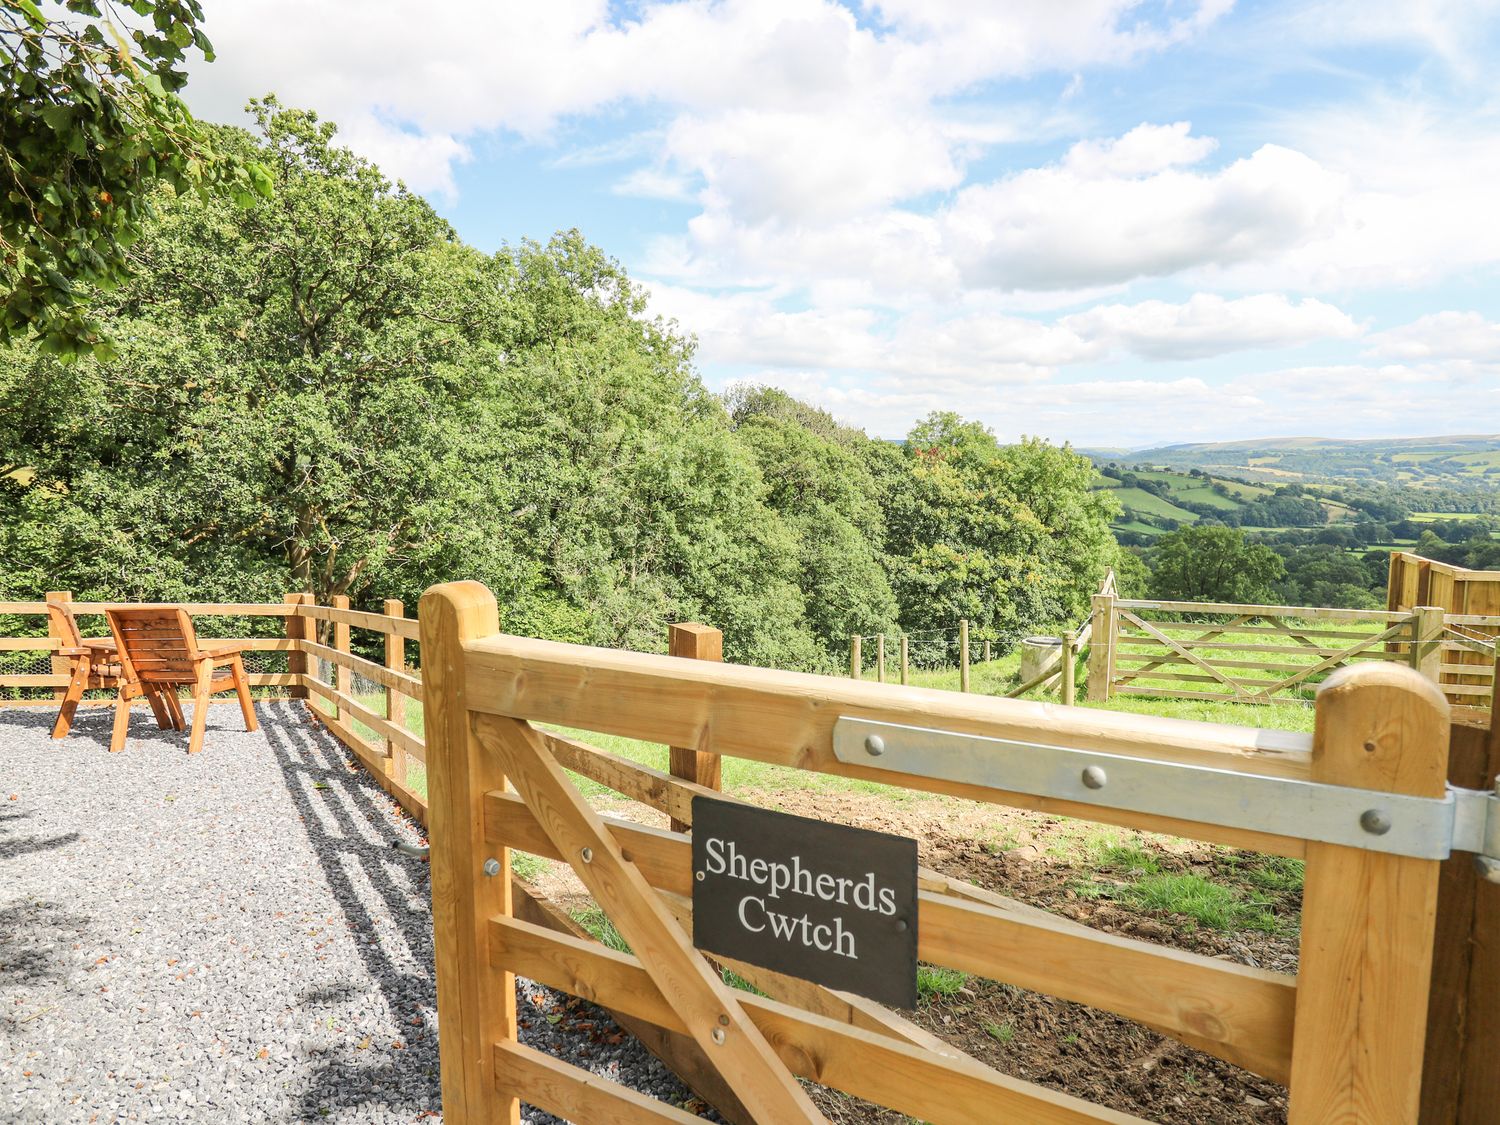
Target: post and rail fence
495,781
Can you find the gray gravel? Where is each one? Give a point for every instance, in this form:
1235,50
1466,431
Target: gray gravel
226,937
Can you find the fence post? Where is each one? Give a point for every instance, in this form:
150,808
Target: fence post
476,1002
963,654
986,650
342,677
298,629
1368,918
694,763
1427,637
395,702
856,658
61,665
1460,1082
1067,688
905,658
880,657
1101,648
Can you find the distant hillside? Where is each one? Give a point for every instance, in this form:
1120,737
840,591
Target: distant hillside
1157,499
1467,462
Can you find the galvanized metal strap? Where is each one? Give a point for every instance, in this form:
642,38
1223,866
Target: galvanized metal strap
1395,823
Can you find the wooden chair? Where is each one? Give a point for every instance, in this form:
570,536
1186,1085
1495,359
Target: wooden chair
91,668
158,649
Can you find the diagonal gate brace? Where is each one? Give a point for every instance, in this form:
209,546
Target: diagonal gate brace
707,1006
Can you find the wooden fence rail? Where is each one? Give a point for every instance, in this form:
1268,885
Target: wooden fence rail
1348,1053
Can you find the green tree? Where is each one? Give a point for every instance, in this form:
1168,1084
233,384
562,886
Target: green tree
1011,537
90,124
329,391
1213,564
817,481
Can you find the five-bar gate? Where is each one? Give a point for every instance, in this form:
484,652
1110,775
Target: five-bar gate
1364,802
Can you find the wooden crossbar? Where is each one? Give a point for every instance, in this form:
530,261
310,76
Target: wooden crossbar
574,1094
931,1087
410,686
1233,1011
377,622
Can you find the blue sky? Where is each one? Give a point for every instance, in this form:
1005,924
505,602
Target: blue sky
1097,221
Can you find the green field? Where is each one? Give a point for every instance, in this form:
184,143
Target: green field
1142,502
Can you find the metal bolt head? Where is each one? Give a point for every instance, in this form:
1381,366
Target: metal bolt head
587,855
901,925
723,1020
874,745
491,867
700,875
1377,822
718,1036
1094,777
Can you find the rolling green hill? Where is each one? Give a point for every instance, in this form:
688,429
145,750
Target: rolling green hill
1156,499
1465,462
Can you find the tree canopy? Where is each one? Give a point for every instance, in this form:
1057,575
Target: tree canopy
1214,564
328,390
90,123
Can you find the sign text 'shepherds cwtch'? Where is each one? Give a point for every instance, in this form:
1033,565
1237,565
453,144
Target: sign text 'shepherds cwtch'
825,902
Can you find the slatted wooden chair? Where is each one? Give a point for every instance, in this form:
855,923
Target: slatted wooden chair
92,668
158,648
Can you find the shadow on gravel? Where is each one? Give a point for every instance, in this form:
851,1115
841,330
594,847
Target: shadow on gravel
342,832
35,938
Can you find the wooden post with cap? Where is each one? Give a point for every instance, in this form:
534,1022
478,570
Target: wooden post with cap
697,764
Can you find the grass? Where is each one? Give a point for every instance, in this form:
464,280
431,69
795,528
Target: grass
1243,896
600,928
1000,1032
934,981
1150,504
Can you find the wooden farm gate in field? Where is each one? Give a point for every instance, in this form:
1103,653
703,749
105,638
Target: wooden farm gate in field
1276,654
1363,801
1470,600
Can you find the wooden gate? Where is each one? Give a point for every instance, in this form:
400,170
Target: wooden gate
1346,1034
1471,599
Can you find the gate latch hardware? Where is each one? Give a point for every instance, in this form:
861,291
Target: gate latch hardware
1462,820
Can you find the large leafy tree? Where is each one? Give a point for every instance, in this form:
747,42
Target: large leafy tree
329,391
1010,537
295,391
90,124
1214,564
817,480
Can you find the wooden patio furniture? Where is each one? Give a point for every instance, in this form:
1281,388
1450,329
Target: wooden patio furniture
93,664
158,649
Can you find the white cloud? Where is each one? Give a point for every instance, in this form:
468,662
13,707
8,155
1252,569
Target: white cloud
764,95
1209,325
1442,335
1145,149
1350,401
1059,227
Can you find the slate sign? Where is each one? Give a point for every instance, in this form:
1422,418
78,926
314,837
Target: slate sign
823,902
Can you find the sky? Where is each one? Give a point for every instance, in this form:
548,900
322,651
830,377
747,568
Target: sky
1114,223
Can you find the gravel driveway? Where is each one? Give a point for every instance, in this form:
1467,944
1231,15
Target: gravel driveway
226,937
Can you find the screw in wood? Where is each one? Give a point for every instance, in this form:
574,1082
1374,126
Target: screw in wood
588,855
718,1036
